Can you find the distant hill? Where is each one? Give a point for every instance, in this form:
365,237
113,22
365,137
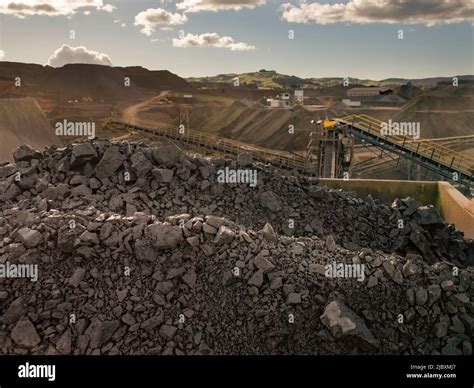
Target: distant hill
75,81
270,79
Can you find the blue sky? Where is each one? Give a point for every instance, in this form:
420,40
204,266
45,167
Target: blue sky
367,49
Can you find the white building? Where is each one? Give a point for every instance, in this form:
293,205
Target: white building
351,103
277,103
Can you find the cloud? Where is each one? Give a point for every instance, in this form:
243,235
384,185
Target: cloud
25,8
67,54
153,17
217,5
427,12
2,54
211,39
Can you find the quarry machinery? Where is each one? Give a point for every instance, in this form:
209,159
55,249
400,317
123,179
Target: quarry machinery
332,147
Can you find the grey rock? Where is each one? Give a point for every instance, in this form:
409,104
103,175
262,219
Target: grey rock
82,153
343,322
164,235
30,238
169,156
293,298
269,233
101,332
164,287
245,160
128,319
63,344
263,263
15,311
168,332
447,285
163,175
189,278
153,322
256,279
25,153
434,293
110,162
421,296
428,215
269,200
276,283
81,191
224,236
77,277
141,164
330,243
24,334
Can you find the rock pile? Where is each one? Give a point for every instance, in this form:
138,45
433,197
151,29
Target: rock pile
140,251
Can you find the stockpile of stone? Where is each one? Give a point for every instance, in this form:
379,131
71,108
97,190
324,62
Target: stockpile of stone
125,178
134,256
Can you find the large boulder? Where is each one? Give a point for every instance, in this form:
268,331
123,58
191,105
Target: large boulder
168,156
270,201
82,153
342,322
141,164
110,162
428,215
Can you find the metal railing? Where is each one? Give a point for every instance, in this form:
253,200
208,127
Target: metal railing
432,152
214,143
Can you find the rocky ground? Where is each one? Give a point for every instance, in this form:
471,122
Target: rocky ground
141,251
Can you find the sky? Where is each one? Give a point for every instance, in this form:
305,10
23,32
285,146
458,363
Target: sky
325,38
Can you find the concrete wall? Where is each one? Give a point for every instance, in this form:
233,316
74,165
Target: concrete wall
454,207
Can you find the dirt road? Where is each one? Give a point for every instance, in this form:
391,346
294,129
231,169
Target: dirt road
130,114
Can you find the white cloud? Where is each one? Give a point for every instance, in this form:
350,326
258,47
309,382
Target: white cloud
23,8
211,39
67,54
428,12
217,5
2,54
153,17
108,8
123,25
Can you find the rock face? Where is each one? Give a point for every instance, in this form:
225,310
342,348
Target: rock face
166,260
